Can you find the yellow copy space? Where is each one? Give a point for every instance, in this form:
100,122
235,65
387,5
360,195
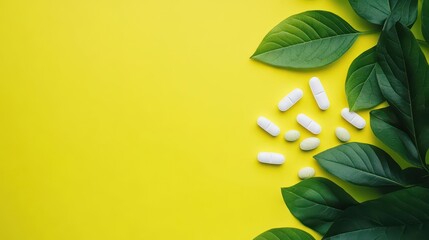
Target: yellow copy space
136,119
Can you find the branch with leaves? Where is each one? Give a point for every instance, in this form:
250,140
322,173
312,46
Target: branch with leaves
395,71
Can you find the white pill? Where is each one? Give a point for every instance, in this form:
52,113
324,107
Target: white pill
353,118
306,172
271,158
268,126
292,135
290,99
308,123
342,134
309,143
319,93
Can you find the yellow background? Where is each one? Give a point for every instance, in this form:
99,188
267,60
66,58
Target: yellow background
136,119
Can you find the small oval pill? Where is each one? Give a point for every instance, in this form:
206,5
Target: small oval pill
271,158
353,118
268,126
308,123
309,143
319,93
342,134
289,100
306,172
292,135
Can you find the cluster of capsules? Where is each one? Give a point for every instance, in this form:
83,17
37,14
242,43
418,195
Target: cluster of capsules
305,121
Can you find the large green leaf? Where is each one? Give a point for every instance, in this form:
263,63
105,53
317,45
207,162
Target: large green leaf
404,82
399,215
306,40
414,176
425,19
284,234
387,127
363,164
377,11
362,88
317,202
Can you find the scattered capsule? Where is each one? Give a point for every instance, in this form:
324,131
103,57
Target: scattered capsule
292,135
309,143
319,93
342,134
308,123
306,172
271,158
268,126
289,100
353,118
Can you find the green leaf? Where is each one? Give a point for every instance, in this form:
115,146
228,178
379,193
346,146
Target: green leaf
427,157
379,10
362,88
399,215
306,40
414,176
387,127
317,202
425,19
362,164
404,82
284,234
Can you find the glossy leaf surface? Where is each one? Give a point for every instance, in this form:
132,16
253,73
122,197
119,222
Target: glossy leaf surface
377,11
387,127
317,202
362,164
362,88
284,234
404,82
306,40
403,214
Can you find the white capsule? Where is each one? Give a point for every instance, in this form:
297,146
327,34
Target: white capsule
319,93
306,172
308,123
289,100
271,158
309,143
353,118
292,135
342,134
268,126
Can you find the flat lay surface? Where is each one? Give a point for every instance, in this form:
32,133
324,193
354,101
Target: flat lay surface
138,119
